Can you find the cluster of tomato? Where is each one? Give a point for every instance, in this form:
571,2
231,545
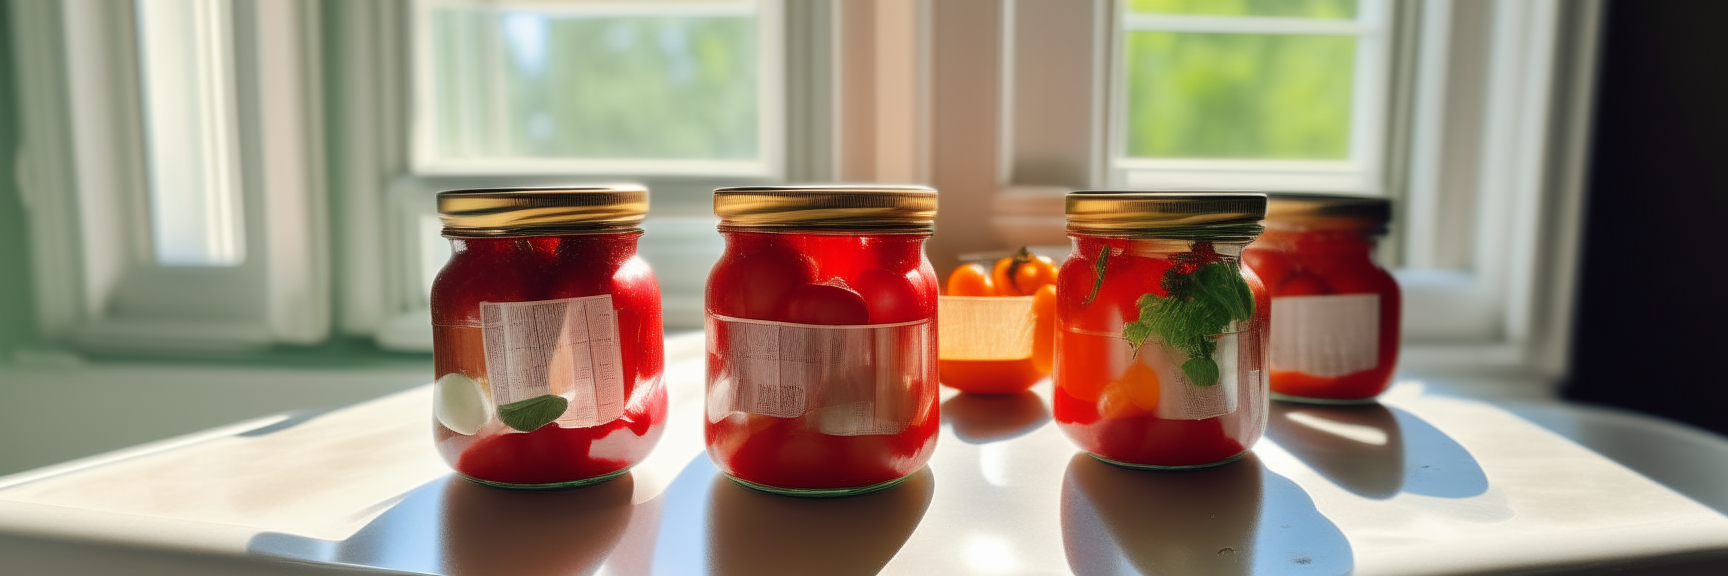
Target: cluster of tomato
548,268
1020,275
831,280
1321,263
820,279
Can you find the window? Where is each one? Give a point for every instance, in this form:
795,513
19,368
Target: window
682,96
1469,114
588,87
181,124
151,167
1252,94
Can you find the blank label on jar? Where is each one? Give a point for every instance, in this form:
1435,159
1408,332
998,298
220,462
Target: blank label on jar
567,347
984,327
1181,399
1326,336
844,380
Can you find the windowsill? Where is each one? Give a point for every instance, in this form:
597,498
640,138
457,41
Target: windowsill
1430,472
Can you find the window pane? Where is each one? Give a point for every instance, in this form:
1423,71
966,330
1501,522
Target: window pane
1332,9
596,81
1259,96
185,78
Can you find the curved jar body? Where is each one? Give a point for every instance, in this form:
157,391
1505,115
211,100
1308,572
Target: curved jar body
1140,380
1336,312
821,359
549,357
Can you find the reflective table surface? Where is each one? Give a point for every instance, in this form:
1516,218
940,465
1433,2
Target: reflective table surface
1420,483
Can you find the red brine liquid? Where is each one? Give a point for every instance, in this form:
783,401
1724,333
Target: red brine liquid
545,268
821,360
1134,406
1329,262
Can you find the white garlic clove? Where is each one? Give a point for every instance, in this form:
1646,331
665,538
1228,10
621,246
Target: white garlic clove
460,404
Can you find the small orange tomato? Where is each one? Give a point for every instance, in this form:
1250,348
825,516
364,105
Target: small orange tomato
1044,324
1002,275
1035,273
970,280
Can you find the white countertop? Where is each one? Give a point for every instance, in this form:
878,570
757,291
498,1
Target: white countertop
1421,484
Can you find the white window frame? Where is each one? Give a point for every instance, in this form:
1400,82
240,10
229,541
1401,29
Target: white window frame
386,189
1360,173
1485,143
83,177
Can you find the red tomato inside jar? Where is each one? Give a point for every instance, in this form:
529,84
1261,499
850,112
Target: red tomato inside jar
1336,312
822,339
1160,333
546,336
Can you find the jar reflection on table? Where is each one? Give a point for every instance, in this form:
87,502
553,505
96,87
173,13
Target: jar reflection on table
547,338
821,338
1336,311
1160,346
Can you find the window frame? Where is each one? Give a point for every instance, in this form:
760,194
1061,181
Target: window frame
1361,173
1502,308
386,192
85,183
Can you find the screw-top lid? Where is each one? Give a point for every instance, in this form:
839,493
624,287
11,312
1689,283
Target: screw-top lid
1330,211
863,207
516,212
1166,214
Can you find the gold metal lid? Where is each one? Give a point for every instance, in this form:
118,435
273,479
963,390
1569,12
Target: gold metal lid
1166,213
861,207
516,212
1330,211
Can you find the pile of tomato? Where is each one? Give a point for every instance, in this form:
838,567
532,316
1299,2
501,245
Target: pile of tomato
1022,275
1103,399
1329,262
822,280
551,268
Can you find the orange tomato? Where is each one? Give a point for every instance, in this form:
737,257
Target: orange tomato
1034,274
1136,393
1002,275
970,280
1044,326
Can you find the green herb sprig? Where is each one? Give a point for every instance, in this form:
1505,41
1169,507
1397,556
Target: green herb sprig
1198,306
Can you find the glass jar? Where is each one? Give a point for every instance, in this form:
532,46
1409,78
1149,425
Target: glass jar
1336,335
546,336
821,338
1160,334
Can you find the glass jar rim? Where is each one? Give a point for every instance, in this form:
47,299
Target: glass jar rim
827,207
1165,213
1329,211
542,211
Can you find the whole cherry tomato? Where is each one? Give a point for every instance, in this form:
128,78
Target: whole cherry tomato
755,283
1036,273
1044,324
891,297
970,280
824,304
1002,278
1272,266
1303,284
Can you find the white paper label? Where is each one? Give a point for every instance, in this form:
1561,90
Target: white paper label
1326,336
984,327
1181,399
566,347
849,380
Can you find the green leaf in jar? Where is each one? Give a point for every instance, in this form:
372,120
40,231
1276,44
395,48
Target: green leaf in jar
529,415
1200,305
1201,370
